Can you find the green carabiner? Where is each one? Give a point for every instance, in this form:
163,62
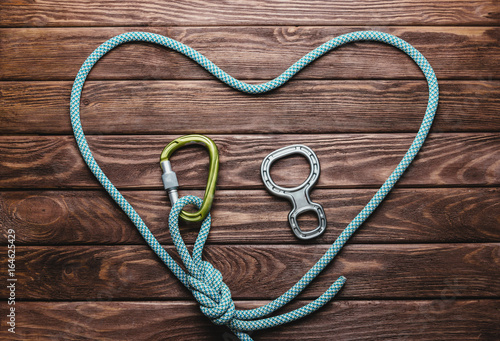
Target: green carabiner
170,178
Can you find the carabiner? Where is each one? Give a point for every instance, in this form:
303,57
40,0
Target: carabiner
169,177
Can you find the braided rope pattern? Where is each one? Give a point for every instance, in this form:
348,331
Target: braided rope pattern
204,281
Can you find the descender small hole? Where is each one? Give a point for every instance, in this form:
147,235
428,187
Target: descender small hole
308,221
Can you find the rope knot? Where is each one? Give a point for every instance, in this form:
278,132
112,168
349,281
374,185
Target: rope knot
212,294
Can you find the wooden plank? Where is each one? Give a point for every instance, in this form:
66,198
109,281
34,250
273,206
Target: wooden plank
155,107
249,53
294,12
347,160
426,215
259,271
443,319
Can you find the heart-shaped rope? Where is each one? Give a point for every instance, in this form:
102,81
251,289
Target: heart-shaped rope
204,281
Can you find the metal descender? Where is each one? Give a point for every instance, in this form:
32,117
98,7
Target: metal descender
298,196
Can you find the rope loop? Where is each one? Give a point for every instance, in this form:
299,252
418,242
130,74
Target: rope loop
203,280
208,288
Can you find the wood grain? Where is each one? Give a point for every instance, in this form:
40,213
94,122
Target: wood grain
160,107
130,272
426,215
294,12
444,319
347,160
249,53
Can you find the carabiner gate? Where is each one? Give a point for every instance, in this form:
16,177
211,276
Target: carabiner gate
169,177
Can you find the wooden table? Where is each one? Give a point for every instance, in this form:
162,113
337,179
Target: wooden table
425,266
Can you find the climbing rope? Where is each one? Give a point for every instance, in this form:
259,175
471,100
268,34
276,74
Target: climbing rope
204,281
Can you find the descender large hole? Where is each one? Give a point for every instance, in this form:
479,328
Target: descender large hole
290,171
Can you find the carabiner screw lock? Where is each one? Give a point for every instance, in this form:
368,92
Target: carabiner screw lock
170,182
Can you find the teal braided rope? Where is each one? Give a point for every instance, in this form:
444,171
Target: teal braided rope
204,281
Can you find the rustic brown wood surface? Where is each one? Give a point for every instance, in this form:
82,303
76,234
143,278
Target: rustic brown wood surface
156,107
249,53
347,160
259,271
425,266
410,215
213,12
446,318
